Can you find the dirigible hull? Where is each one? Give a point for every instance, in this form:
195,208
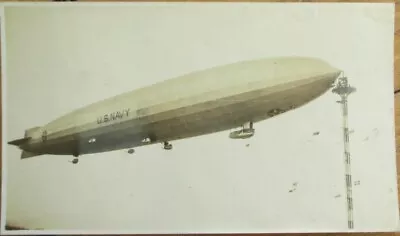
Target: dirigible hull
194,104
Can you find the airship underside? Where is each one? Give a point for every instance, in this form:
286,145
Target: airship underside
222,98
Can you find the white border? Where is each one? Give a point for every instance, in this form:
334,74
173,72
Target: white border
3,231
175,2
123,232
149,3
3,134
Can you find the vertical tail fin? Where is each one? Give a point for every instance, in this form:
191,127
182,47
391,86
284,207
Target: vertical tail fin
31,131
26,154
28,135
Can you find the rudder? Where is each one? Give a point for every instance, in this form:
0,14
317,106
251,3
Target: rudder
31,131
26,154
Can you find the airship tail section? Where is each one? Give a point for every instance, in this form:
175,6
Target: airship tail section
28,136
23,142
20,142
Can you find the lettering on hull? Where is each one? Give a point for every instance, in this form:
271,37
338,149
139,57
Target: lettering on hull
113,116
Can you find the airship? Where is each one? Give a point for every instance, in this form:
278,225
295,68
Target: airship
217,99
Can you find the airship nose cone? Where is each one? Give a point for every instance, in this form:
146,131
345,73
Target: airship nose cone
321,65
306,68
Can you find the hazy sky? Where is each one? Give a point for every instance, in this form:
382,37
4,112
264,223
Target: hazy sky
59,59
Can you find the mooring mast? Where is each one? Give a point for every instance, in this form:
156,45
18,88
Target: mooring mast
343,89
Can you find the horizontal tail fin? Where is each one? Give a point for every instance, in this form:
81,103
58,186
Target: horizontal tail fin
26,154
19,142
28,135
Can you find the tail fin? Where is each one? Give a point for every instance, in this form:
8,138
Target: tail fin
26,154
19,142
31,131
28,135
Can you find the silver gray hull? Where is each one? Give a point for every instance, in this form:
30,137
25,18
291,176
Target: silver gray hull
198,119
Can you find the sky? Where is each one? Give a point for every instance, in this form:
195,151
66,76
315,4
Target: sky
62,58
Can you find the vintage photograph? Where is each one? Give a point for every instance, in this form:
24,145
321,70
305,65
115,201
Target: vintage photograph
198,118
